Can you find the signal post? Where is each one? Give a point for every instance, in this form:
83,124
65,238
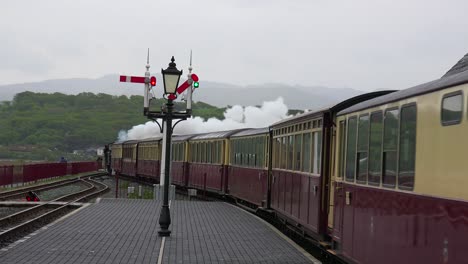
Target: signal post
171,76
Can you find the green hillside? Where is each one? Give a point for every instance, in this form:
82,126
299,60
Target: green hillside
47,126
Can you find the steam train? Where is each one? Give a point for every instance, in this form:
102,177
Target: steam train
379,178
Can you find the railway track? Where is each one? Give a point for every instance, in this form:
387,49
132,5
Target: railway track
20,193
22,222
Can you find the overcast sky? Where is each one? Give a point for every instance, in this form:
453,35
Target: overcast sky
365,45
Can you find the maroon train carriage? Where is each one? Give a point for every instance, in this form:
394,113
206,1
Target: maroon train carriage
116,157
149,158
248,166
180,165
300,166
208,161
401,173
129,157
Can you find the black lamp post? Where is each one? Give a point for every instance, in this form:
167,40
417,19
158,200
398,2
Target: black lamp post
171,78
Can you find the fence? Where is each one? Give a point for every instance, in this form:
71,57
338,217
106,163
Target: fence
14,175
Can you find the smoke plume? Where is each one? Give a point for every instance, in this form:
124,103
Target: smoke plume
234,118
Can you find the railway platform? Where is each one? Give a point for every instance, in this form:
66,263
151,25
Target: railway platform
125,231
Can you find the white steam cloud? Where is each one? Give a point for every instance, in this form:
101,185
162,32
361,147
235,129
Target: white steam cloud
235,117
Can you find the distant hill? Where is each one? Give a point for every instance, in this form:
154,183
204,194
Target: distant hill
213,93
45,126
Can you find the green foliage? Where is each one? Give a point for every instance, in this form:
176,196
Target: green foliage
58,123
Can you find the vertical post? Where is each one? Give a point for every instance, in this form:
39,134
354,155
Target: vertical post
117,184
163,155
147,88
165,217
190,89
189,98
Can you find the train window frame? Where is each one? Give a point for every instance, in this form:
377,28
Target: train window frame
307,152
277,153
353,163
209,152
444,97
199,151
217,152
342,148
284,153
364,150
317,139
382,116
400,187
385,150
219,155
290,154
298,152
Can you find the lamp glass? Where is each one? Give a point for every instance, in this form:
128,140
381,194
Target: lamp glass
170,83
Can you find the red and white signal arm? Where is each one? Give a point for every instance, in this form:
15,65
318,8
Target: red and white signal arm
132,79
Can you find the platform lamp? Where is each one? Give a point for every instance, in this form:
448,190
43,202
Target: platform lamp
171,78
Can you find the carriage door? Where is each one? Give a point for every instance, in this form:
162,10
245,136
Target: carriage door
337,195
349,171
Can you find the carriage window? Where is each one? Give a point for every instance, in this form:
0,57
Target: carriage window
199,152
252,154
390,148
407,149
277,152
362,149
317,146
375,149
173,152
290,152
297,152
182,152
219,152
283,153
192,152
351,149
209,152
234,152
306,150
257,152
342,149
452,109
261,151
215,152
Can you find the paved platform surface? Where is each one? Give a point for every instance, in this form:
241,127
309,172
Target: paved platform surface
125,231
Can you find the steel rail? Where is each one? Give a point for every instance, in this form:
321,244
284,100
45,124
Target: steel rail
43,187
96,189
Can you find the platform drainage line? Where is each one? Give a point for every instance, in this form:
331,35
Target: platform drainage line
161,249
